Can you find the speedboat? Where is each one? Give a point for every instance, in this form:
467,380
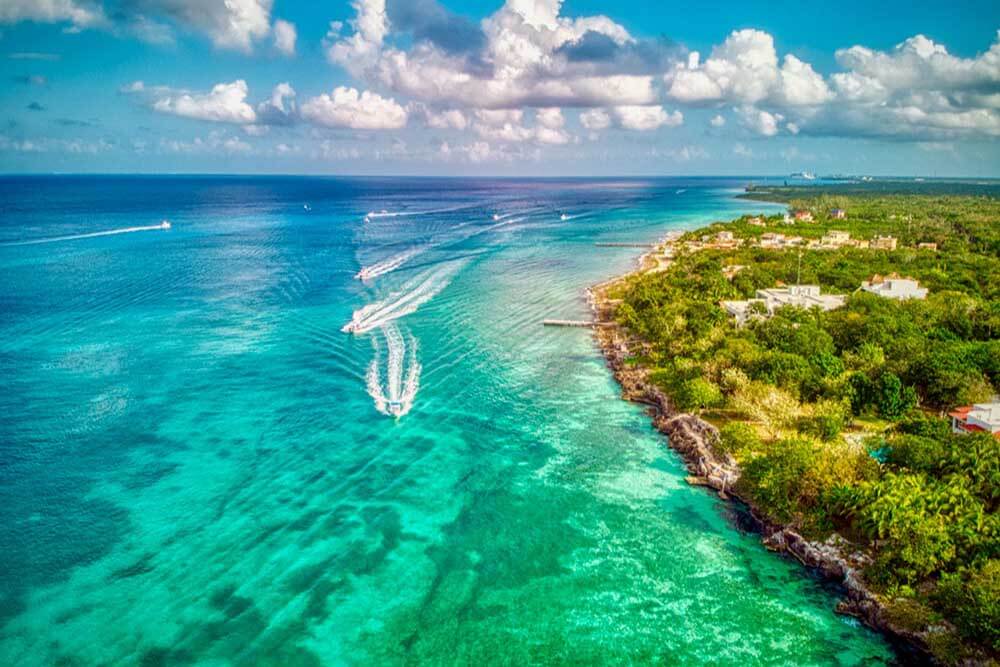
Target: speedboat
164,224
394,408
564,217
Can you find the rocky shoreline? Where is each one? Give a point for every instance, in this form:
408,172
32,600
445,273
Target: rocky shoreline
693,438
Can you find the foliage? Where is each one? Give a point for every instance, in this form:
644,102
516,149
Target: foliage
802,385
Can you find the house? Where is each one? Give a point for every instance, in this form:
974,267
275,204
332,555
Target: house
757,221
836,239
801,296
884,243
979,418
774,240
838,214
803,216
927,246
788,220
894,287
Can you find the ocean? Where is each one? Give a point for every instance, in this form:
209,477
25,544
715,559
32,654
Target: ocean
317,421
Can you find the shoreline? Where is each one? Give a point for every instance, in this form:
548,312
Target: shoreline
692,438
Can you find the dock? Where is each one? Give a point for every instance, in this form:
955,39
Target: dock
586,324
625,245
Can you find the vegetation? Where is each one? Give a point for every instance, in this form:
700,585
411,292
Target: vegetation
837,418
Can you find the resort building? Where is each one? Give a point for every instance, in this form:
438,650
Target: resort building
894,287
884,243
927,246
803,216
835,239
800,296
757,221
838,214
788,219
774,240
979,418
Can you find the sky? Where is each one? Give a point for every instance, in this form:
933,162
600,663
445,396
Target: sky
487,87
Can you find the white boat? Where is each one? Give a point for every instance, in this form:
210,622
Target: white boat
164,224
564,217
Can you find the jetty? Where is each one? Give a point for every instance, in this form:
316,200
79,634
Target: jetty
586,324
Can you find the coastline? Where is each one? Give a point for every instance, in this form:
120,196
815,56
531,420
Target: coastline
692,438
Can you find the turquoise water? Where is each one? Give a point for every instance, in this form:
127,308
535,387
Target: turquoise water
199,466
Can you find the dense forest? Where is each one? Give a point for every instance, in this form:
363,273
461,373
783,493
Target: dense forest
838,418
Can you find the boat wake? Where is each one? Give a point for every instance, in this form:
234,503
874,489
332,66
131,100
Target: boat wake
395,392
407,300
387,265
91,235
375,215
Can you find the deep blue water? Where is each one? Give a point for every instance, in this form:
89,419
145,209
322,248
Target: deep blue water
199,466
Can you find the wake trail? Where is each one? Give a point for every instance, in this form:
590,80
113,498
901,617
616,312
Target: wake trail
91,235
396,397
395,262
404,302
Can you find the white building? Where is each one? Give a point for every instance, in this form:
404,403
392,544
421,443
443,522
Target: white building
801,296
979,418
894,287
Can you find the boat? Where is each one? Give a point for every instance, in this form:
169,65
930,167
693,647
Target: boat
564,217
164,224
307,207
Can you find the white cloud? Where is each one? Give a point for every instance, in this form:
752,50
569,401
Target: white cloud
507,126
520,63
445,119
225,103
744,68
346,107
230,24
644,118
80,15
595,119
284,37
281,108
759,121
741,150
551,118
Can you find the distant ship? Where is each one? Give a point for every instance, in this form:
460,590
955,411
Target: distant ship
805,175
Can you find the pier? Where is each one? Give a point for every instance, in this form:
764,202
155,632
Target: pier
625,245
586,324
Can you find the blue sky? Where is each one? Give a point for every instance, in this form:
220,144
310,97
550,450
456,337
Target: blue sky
522,87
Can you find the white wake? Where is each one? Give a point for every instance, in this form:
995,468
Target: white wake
111,232
395,396
414,294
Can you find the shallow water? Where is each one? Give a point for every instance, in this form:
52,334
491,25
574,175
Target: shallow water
198,466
